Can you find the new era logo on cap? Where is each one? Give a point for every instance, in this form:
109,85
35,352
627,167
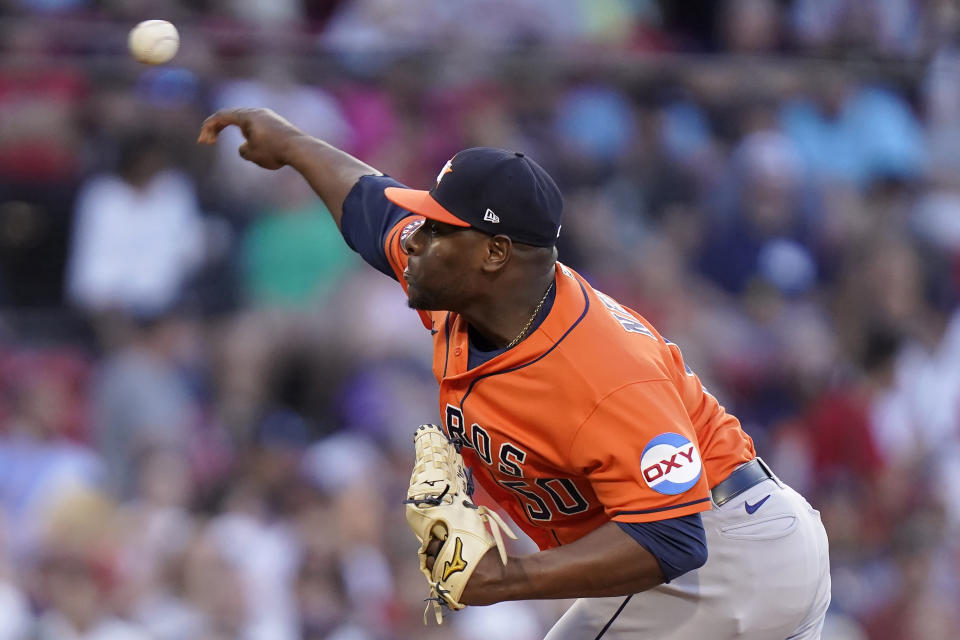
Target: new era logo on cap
492,190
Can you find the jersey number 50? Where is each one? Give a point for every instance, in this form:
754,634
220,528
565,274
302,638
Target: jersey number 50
562,497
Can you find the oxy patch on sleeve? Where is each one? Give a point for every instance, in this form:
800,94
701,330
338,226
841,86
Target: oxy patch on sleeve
670,464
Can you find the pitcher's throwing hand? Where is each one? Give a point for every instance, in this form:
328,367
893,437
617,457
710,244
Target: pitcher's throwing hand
269,137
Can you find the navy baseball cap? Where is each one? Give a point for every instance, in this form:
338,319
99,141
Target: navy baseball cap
492,190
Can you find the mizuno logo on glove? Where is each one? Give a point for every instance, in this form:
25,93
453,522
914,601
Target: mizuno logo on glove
456,563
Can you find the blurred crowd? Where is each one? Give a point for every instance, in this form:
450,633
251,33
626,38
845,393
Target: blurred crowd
207,401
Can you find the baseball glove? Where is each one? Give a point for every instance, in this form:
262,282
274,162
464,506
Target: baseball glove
439,506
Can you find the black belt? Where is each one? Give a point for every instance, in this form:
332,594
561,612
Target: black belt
741,479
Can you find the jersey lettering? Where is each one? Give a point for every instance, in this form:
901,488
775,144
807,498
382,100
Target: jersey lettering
455,430
481,442
510,460
621,315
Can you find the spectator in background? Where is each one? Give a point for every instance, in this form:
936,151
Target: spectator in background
935,218
322,602
199,596
761,207
843,448
38,462
292,254
595,124
75,571
348,469
141,399
253,533
851,132
155,528
137,234
39,137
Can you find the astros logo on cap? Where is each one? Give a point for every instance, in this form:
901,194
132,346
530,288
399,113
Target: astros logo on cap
670,464
447,168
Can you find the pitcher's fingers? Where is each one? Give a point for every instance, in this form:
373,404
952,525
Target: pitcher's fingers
216,123
244,151
433,548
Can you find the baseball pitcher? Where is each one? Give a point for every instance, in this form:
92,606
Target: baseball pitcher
645,497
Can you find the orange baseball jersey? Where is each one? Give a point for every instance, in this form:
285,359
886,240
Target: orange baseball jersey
593,417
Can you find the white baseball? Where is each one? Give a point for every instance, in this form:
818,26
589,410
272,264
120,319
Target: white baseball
154,41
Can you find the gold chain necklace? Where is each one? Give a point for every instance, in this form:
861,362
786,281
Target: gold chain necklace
526,327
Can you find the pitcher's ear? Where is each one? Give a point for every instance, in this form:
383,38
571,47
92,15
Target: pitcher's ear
498,250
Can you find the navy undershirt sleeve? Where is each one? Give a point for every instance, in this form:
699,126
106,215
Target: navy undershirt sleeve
678,544
367,219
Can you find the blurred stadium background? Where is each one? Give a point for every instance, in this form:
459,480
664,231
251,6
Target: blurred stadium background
206,400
